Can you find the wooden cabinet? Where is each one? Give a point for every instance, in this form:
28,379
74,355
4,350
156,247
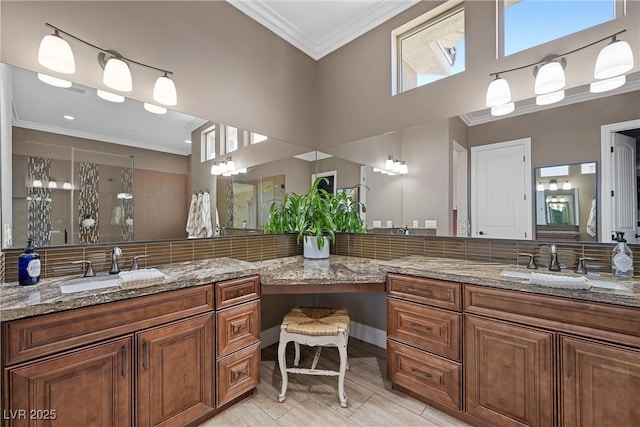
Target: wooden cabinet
599,384
237,338
87,367
509,372
175,372
423,338
88,387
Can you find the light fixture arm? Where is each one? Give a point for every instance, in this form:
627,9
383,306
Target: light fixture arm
105,51
612,36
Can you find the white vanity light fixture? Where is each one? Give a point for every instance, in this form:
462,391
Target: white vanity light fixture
549,77
109,96
55,54
164,91
540,187
54,81
607,84
498,92
614,59
566,186
67,186
37,183
553,185
52,184
501,110
155,109
550,98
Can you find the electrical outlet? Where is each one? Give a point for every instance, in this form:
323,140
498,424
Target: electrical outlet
430,223
389,223
415,223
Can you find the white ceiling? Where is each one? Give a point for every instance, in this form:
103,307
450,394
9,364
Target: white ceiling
318,27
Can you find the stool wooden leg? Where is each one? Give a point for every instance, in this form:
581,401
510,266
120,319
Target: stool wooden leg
296,361
342,349
282,361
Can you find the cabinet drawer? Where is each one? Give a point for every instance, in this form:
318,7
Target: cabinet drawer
427,291
46,334
236,291
237,327
429,375
237,373
430,329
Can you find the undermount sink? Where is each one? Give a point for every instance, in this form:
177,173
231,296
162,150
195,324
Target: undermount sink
596,283
80,284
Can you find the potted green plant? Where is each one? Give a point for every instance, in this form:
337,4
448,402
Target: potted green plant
315,216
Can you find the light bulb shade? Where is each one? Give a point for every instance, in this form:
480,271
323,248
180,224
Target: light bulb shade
164,91
608,84
404,169
53,184
396,166
67,186
614,59
223,168
109,96
540,187
498,93
566,186
231,165
53,81
215,169
117,75
55,54
550,78
37,183
550,98
553,185
501,110
155,109
388,165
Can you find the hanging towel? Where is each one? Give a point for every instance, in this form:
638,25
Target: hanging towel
191,219
217,233
591,221
117,215
207,229
199,222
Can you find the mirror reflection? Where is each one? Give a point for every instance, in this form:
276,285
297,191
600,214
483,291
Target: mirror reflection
566,207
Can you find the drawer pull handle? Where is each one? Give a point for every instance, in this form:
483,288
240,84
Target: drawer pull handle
145,353
420,291
418,327
238,328
417,372
123,352
240,292
235,375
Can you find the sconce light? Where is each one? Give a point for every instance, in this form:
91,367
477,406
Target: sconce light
566,186
226,168
37,183
54,81
612,62
67,186
393,166
553,185
55,54
53,184
540,187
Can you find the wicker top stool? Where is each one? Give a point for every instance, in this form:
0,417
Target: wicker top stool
315,327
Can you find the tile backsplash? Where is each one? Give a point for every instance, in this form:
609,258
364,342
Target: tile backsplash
57,261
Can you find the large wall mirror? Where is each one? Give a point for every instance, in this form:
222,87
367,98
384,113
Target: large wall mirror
431,199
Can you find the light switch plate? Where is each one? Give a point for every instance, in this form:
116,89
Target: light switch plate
389,223
377,224
430,223
415,223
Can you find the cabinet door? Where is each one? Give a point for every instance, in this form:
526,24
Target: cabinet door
175,372
599,384
509,372
88,387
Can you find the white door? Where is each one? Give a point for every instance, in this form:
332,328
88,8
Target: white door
501,190
624,182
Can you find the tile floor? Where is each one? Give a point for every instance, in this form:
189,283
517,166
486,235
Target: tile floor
313,401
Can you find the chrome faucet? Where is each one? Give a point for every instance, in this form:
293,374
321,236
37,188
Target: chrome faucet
553,263
115,254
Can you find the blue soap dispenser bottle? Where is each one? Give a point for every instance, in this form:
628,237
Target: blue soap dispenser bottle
29,265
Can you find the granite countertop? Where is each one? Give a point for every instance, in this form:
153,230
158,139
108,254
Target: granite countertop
488,274
45,297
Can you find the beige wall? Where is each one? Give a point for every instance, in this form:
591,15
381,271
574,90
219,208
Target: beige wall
354,82
227,68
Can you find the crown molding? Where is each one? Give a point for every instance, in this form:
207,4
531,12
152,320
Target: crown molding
316,49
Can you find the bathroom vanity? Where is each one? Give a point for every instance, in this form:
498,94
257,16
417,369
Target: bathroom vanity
488,349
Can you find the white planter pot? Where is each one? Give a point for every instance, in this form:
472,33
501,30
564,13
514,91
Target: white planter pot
310,248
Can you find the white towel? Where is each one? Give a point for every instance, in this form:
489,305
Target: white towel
207,228
556,281
191,219
591,221
140,278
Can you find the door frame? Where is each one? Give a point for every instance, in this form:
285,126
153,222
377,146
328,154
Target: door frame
527,184
606,181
